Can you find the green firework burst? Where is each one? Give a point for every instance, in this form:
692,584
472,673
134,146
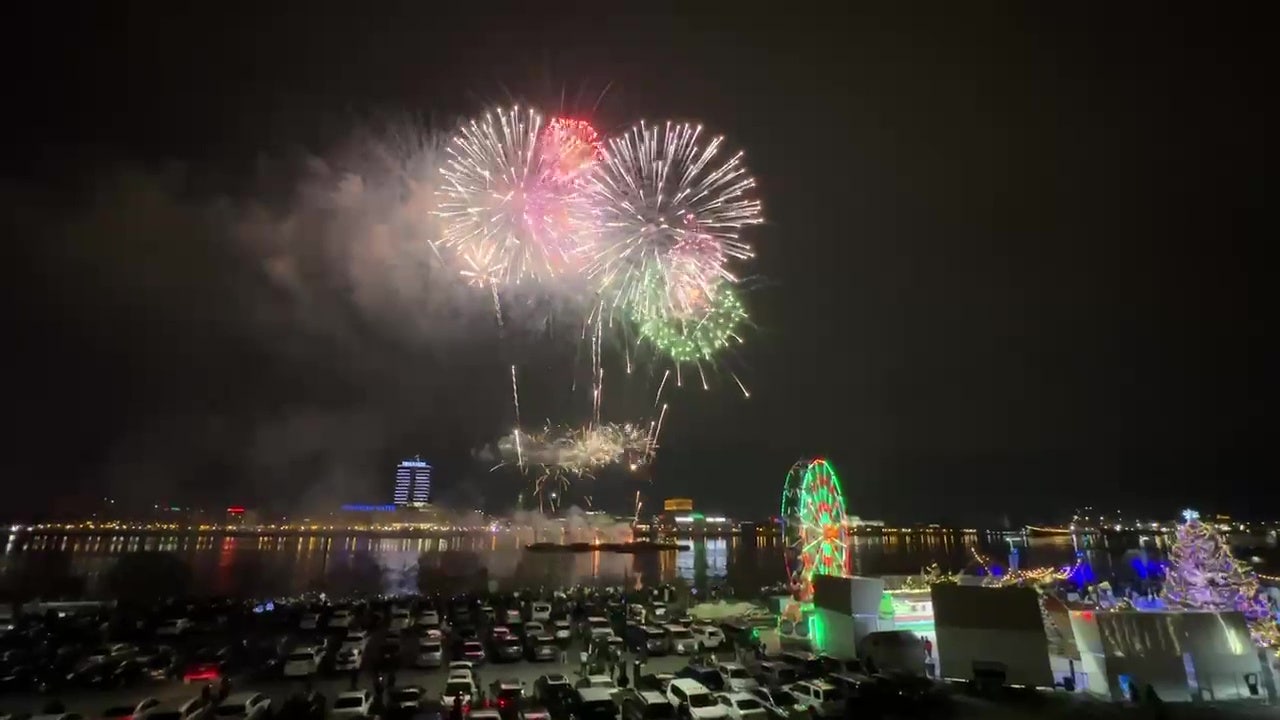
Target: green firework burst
696,335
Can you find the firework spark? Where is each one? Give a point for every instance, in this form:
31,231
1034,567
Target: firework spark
671,207
512,200
559,454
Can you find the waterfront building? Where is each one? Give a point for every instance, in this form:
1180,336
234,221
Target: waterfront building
413,483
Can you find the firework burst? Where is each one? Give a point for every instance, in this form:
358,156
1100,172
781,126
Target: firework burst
512,201
673,204
558,454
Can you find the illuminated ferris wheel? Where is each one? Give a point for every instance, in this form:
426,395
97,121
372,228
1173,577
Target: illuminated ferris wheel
814,527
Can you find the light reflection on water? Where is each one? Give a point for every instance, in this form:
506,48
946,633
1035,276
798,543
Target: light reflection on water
288,565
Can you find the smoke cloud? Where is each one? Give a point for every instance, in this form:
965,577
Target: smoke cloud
281,342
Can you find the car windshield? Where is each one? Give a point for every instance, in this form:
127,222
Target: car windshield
748,704
472,647
165,715
352,701
302,656
230,710
118,712
659,711
701,700
681,634
830,694
431,647
599,708
786,675
512,642
738,673
783,697
599,623
405,693
457,686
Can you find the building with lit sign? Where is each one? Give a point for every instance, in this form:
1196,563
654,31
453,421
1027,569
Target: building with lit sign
413,483
676,505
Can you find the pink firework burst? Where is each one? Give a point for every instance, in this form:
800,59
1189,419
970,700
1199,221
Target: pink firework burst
570,149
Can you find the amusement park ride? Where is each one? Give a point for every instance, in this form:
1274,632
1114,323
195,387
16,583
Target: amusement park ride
815,531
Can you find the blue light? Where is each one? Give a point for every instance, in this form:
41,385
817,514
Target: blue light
369,508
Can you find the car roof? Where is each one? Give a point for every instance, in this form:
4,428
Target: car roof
689,685
732,666
556,678
820,684
736,696
239,698
652,696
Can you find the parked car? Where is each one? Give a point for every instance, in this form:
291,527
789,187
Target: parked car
709,637
822,698
430,654
702,705
352,704
245,705
736,678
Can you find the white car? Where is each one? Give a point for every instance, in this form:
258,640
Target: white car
430,653
400,619
534,629
353,704
310,621
693,694
467,665
194,709
598,627
356,640
736,677
709,637
302,662
822,698
408,697
173,627
455,686
600,681
341,618
541,612
134,712
682,640
564,629
246,705
348,659
742,706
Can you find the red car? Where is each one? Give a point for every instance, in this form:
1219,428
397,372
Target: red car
201,672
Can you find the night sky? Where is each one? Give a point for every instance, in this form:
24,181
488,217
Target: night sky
1011,264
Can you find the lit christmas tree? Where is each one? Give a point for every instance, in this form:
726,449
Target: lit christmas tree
1203,575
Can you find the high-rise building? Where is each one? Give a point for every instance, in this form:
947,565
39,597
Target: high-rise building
413,483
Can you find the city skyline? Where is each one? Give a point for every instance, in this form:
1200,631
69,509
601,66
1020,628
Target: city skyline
1011,274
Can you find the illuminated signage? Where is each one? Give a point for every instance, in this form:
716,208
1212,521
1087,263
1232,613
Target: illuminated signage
368,508
677,505
235,510
414,463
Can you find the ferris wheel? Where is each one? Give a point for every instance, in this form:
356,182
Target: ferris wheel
815,533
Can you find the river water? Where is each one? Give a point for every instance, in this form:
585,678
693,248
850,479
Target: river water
65,566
